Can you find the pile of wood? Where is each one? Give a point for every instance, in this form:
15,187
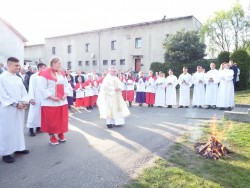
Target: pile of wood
213,149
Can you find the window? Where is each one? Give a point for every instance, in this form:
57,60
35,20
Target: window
69,49
113,62
94,63
122,61
87,63
53,50
79,63
69,65
105,62
113,45
87,47
138,42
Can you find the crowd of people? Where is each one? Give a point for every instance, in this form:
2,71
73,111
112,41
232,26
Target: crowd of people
50,92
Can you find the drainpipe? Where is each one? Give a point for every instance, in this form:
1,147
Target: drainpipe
99,49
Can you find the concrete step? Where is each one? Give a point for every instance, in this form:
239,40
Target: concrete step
240,113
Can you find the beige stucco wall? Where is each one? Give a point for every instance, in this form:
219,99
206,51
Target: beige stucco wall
152,34
11,45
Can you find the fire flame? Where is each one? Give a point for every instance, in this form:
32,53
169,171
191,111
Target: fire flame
216,132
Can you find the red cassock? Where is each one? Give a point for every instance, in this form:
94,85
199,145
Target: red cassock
95,94
150,97
87,99
54,119
79,101
130,92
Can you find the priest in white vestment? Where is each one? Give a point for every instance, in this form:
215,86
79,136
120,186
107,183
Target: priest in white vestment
160,90
185,82
34,116
111,105
225,98
211,80
199,88
13,101
170,83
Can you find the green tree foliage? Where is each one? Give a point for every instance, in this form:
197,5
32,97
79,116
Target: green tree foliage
156,67
242,59
183,48
222,57
227,30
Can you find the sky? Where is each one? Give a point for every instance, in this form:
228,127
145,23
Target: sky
38,19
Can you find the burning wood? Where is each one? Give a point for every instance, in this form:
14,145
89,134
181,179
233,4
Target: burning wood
213,149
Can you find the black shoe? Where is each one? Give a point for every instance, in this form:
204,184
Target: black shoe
8,159
22,152
221,108
38,129
199,106
31,132
186,106
152,105
194,106
214,107
91,107
130,104
149,105
180,107
170,106
69,106
109,126
229,108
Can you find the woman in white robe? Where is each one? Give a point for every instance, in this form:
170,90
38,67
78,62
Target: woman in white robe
185,82
170,83
225,98
211,80
160,91
199,88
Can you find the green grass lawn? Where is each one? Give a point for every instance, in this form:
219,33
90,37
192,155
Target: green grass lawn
182,167
242,97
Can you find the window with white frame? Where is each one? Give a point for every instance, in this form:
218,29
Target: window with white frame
113,45
113,62
105,62
122,61
87,63
69,49
87,46
53,50
138,42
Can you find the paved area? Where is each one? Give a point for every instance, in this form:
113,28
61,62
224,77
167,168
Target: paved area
97,157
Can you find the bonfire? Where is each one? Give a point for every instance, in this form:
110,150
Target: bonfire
213,149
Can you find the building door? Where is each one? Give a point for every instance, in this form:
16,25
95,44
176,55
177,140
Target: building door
137,65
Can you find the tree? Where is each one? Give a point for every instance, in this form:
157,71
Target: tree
227,30
182,49
156,66
222,57
242,59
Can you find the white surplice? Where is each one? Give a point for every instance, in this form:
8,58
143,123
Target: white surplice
34,116
111,105
48,88
211,87
199,88
11,118
160,91
185,82
171,82
225,96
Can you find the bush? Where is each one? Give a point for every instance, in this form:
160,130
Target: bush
242,59
156,66
222,57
